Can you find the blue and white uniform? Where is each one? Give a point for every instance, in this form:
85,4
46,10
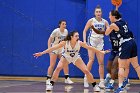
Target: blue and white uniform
115,45
128,47
94,39
58,36
71,54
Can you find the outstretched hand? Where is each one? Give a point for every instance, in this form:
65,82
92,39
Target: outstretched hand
106,51
36,55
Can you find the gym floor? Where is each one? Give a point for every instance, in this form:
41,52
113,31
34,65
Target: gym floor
38,85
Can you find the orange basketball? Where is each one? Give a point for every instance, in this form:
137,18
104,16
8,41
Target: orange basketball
116,2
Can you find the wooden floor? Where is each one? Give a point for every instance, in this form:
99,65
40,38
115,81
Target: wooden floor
37,85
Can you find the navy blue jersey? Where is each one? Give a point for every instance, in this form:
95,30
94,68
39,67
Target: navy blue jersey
124,32
114,41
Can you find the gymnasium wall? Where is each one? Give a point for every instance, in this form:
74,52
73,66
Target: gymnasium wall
26,26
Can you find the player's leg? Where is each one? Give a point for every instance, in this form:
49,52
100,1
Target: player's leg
81,65
63,62
53,58
66,72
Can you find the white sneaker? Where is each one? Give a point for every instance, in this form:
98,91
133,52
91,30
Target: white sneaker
101,84
86,82
68,81
49,87
96,88
48,81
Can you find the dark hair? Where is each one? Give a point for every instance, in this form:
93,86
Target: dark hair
98,7
61,22
68,37
116,14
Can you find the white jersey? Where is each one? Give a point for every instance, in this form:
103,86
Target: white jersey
100,25
58,36
71,54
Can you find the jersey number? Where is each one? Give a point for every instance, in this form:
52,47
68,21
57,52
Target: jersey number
116,43
125,28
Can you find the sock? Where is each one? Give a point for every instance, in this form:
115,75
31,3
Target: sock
111,81
48,77
66,76
108,75
93,84
52,82
101,80
120,85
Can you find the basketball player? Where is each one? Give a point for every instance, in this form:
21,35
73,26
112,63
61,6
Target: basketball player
128,49
71,54
55,38
96,40
127,64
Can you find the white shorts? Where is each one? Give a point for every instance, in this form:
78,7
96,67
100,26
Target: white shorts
96,42
71,59
58,51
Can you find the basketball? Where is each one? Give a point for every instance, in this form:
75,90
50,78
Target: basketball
116,2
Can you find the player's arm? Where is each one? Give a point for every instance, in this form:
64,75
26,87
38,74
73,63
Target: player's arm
112,27
106,24
49,42
55,47
92,48
88,25
117,7
97,31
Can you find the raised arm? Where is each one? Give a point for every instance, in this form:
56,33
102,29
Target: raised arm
88,25
61,44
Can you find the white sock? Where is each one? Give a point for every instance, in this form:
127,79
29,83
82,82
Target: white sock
111,81
120,85
108,75
101,80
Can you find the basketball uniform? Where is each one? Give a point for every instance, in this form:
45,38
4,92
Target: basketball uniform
128,47
94,39
115,45
71,54
58,36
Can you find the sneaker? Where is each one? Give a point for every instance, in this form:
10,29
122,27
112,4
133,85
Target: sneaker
101,84
107,80
49,87
126,82
119,90
96,88
68,81
110,87
48,81
86,82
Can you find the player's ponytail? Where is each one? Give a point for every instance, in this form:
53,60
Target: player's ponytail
116,14
68,37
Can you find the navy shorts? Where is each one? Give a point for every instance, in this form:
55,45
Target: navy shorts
113,54
128,50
